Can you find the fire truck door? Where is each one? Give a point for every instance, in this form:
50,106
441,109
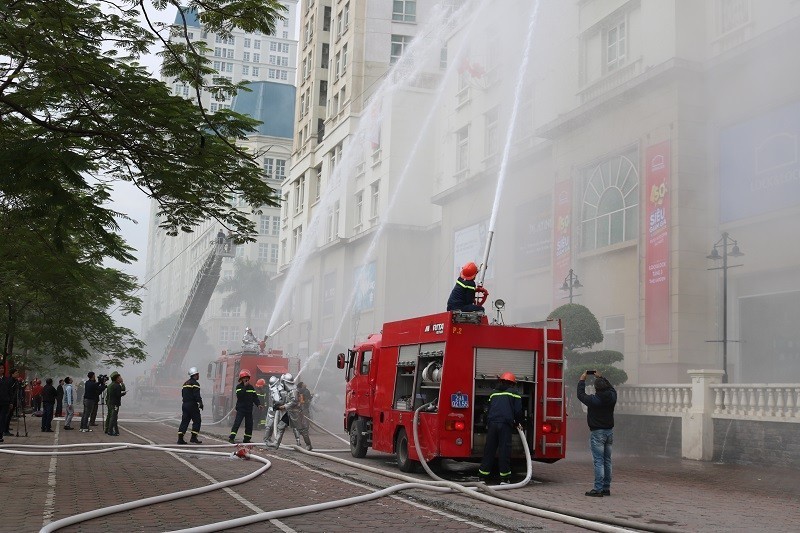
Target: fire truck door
361,382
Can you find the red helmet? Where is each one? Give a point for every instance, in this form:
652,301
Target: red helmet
260,382
509,376
469,271
244,374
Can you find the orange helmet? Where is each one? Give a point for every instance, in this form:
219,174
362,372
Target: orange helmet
260,382
244,374
469,271
509,376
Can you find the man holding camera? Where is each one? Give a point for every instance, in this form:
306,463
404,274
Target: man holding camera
91,397
600,416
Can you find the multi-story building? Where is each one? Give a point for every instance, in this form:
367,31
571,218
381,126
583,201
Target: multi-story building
243,56
173,262
631,138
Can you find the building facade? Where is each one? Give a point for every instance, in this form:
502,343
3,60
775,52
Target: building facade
628,141
173,262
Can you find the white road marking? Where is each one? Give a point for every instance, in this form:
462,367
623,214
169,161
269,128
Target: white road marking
253,507
50,499
400,498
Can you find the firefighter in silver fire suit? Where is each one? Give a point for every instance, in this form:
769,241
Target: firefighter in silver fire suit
274,399
294,411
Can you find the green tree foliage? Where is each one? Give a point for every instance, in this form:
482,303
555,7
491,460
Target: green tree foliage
582,331
78,113
250,286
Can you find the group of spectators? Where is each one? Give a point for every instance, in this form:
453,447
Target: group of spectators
50,401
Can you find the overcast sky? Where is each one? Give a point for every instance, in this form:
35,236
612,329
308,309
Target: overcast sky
131,201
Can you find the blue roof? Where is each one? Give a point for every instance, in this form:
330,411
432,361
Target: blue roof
271,103
191,17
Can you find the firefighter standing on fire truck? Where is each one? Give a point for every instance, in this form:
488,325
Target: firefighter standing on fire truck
246,398
192,404
462,297
505,413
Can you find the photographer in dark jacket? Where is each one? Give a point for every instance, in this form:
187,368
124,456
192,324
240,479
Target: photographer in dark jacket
600,416
114,401
91,397
60,398
49,394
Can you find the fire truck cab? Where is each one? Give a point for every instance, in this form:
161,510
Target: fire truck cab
224,374
453,360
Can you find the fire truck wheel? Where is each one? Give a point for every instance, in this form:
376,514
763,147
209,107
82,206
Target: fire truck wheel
358,440
401,446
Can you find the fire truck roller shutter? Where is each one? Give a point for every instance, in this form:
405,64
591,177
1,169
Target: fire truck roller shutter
493,362
268,369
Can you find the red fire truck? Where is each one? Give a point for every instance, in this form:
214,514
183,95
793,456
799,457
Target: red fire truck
452,359
224,374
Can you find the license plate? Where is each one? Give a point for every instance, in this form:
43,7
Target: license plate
459,401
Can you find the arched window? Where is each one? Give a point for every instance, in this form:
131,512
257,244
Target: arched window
610,209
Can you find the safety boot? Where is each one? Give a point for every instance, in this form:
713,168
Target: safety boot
180,439
308,442
195,440
246,440
278,438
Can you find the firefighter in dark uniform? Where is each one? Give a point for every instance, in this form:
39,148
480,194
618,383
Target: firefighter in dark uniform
462,297
192,404
246,398
505,413
261,392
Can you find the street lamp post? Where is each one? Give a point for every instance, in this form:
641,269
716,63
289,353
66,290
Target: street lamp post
723,244
571,282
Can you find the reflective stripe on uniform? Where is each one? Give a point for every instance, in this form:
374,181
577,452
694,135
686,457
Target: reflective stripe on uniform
464,285
504,394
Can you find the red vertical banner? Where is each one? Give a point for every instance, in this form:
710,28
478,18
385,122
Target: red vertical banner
656,291
562,237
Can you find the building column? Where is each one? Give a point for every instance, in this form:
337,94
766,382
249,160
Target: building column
697,427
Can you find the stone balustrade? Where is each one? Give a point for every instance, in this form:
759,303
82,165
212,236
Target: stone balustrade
656,400
775,402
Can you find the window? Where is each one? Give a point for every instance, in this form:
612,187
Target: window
614,333
491,133
257,44
273,46
263,251
325,55
615,46
229,53
257,58
218,52
276,226
246,56
264,224
359,209
227,334
284,47
302,105
326,19
256,71
462,149
344,58
317,183
231,311
346,15
333,222
399,43
246,42
245,70
285,207
337,66
299,192
443,58
297,239
404,10
323,92
283,251
610,210
366,359
375,190
732,15
280,169
268,168
273,253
